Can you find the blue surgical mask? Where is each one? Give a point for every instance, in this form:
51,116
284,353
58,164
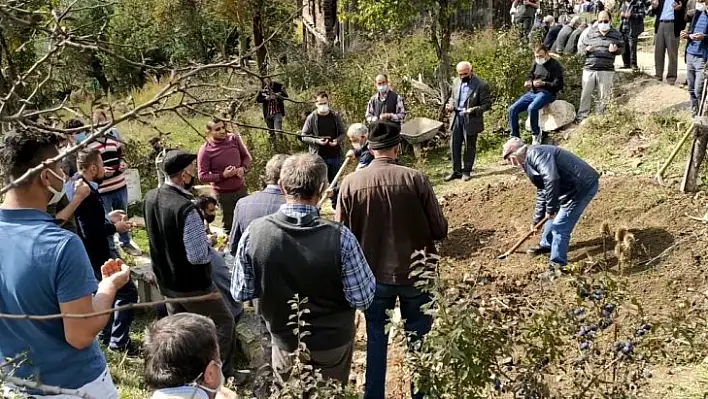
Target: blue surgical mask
79,137
382,88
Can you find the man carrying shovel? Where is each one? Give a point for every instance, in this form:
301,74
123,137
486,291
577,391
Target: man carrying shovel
566,184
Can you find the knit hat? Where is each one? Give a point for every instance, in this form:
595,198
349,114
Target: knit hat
176,161
383,135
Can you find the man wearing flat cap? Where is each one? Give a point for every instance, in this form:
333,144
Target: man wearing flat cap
179,249
393,212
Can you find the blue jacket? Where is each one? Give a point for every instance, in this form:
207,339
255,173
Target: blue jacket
559,175
704,43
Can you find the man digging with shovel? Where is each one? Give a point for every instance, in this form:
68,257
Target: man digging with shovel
566,184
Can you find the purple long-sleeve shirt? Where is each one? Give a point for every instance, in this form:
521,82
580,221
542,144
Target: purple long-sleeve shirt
215,156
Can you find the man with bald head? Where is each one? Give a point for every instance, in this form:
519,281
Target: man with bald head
469,100
386,104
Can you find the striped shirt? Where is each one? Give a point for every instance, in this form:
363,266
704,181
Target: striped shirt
112,154
357,278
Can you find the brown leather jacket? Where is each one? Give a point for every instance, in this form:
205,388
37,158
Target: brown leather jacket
392,210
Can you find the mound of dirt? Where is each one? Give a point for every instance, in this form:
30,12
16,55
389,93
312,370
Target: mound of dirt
486,221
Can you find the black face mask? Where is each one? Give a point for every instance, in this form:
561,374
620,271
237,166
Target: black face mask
188,186
465,79
209,218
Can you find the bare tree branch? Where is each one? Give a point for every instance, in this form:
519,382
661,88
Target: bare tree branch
208,297
49,389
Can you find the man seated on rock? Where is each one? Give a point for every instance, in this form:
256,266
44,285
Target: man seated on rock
565,186
544,80
295,252
564,35
182,359
571,47
554,29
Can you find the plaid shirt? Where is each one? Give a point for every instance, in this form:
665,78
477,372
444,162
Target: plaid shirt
399,116
273,107
196,243
357,278
256,205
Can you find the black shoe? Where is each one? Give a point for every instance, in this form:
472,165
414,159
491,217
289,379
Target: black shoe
538,250
625,67
466,177
453,176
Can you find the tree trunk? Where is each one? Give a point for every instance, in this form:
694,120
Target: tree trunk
441,35
258,38
693,166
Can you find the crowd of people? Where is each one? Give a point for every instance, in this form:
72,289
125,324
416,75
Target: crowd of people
58,228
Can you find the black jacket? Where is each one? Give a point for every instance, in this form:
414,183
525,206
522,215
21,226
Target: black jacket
166,209
279,90
551,73
552,35
679,16
559,175
93,228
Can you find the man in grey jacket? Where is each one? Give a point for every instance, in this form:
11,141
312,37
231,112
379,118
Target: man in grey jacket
564,35
600,47
565,186
470,99
328,130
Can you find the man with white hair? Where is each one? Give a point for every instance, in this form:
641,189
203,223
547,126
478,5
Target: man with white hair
554,29
358,135
386,104
564,35
565,186
470,99
296,252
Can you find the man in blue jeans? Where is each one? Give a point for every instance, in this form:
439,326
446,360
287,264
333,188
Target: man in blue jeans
565,186
544,80
696,54
393,212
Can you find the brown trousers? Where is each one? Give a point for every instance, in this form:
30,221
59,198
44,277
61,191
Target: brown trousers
219,312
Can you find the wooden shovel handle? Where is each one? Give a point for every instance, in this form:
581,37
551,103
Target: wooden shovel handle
524,238
334,181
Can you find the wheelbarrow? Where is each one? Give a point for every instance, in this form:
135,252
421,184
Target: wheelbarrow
419,130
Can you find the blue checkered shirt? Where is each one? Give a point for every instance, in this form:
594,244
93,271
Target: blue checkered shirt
357,278
256,205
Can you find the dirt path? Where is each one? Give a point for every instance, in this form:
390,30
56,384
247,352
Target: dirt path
648,94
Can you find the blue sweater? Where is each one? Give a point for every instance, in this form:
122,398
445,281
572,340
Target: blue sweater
698,25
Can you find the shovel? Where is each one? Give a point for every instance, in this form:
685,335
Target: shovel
524,238
334,181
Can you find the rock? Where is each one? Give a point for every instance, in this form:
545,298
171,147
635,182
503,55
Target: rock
554,116
249,337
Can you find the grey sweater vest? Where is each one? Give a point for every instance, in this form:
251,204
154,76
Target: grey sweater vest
301,256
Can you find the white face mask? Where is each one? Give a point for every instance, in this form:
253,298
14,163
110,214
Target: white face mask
382,88
322,108
221,382
700,7
540,61
603,27
56,195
